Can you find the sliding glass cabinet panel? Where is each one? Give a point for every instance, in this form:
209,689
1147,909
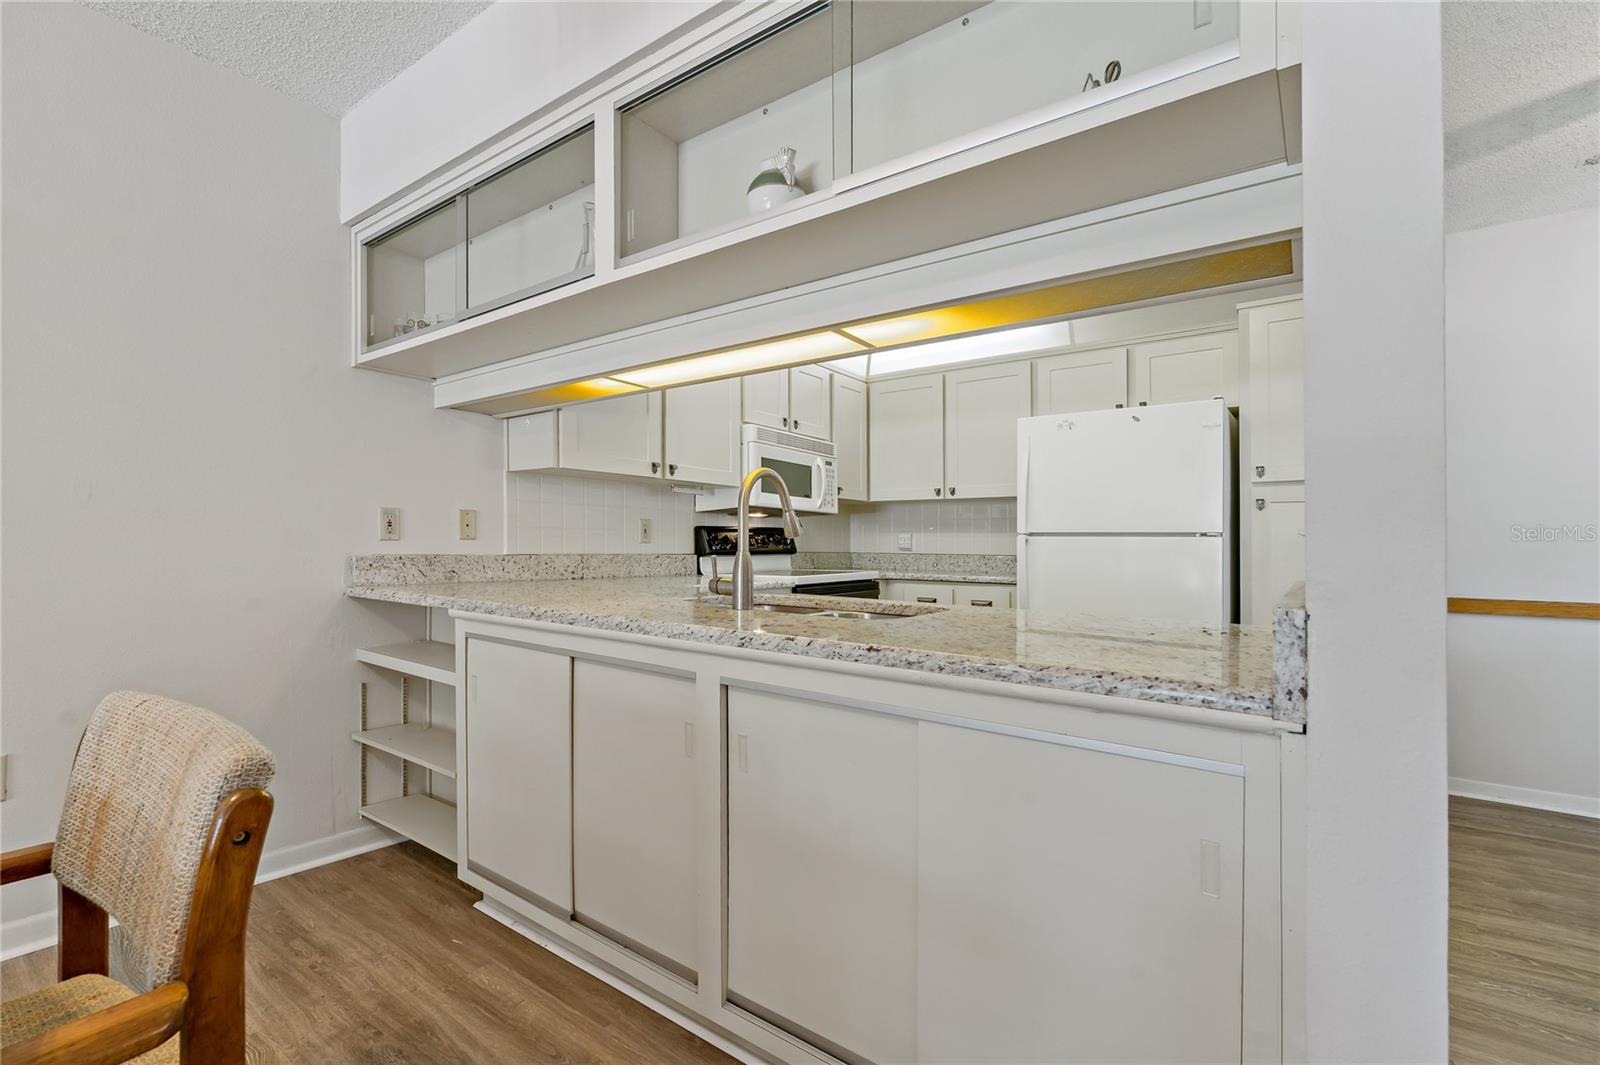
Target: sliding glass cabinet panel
704,151
923,72
530,227
414,275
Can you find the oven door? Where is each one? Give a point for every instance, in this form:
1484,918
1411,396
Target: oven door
809,478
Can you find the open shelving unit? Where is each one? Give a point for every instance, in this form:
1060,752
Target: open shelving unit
386,694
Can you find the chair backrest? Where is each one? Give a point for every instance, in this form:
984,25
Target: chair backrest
146,783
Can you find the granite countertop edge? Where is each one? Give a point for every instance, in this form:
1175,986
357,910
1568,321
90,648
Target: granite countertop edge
1055,677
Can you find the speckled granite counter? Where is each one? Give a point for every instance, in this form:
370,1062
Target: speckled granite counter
1177,664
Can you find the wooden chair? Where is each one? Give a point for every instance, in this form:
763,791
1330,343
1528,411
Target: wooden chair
162,828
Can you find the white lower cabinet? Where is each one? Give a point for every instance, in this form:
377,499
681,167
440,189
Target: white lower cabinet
633,821
822,872
999,596
919,592
518,771
1074,905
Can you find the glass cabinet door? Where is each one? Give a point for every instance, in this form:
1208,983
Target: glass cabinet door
705,150
531,226
415,275
923,72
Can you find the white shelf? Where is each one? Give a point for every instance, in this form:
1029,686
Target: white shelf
428,659
431,748
422,818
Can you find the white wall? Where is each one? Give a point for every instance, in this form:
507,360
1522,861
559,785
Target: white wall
1376,869
1523,378
508,64
187,455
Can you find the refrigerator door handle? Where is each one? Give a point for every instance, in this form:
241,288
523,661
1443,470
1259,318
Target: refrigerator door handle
1022,482
1022,573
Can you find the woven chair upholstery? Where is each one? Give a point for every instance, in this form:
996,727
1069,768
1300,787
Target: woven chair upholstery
146,783
50,1007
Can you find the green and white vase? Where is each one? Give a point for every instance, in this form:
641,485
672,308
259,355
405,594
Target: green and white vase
774,183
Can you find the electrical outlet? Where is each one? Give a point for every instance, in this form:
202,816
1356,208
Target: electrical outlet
469,524
389,523
644,530
903,541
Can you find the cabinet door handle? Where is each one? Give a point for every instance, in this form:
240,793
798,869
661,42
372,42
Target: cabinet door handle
952,490
744,753
938,491
672,468
927,599
1261,504
1261,471
655,467
983,602
786,423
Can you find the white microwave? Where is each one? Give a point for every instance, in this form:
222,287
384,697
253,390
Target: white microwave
806,466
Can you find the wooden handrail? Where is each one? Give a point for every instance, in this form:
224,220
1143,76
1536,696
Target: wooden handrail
1526,608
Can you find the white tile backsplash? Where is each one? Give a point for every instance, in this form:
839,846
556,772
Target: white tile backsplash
964,527
560,513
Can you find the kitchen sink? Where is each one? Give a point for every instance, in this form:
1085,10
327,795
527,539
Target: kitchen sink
857,615
783,608
803,610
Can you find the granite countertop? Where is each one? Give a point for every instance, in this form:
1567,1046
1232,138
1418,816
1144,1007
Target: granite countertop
1230,669
947,578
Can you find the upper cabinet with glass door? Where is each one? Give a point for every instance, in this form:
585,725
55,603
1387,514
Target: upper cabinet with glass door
742,133
526,229
927,76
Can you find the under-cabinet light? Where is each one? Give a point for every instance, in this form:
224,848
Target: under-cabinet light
790,351
1216,270
1030,339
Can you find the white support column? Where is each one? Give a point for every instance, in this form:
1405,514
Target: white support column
1376,864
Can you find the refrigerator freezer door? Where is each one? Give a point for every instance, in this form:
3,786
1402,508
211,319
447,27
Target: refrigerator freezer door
1174,578
1133,470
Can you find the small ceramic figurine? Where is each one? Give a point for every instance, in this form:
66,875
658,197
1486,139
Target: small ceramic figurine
774,183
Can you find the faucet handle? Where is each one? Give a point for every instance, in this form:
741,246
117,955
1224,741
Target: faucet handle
717,579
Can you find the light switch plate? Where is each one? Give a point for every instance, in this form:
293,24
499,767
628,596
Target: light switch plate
469,524
903,541
644,530
1202,13
389,523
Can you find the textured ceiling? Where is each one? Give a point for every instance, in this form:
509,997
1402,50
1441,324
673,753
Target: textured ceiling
330,54
1521,110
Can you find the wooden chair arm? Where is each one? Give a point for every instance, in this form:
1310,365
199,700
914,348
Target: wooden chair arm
108,1036
25,863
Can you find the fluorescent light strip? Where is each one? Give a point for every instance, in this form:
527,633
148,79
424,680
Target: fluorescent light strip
791,351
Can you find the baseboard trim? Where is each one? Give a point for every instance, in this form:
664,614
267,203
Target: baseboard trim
1556,801
36,931
566,954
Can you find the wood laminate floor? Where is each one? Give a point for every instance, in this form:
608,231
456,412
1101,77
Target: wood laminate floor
1524,936
381,960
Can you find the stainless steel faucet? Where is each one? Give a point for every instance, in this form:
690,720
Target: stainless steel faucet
742,584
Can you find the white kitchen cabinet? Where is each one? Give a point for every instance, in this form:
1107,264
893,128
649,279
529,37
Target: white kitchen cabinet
811,401
906,437
1186,368
702,432
1276,515
633,821
850,436
617,435
766,398
1056,923
822,870
998,596
531,442
919,592
1272,432
981,409
518,773
797,400
1081,380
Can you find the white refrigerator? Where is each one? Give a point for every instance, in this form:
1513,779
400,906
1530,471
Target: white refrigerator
1128,512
